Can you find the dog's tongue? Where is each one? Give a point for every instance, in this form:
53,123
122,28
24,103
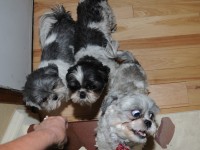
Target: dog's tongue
165,132
122,147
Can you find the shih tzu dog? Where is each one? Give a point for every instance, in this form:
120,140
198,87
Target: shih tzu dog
127,113
46,86
93,43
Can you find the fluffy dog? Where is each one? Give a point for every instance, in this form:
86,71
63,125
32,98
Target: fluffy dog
89,77
46,86
128,114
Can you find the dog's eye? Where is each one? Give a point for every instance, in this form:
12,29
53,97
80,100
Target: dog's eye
136,113
74,85
151,116
44,100
92,87
54,87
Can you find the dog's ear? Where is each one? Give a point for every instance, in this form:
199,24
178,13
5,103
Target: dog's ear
87,60
93,62
107,102
70,70
51,69
31,104
155,109
104,72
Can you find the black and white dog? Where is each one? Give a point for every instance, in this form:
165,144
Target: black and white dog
93,43
46,86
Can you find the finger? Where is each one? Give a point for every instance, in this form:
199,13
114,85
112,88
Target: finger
63,119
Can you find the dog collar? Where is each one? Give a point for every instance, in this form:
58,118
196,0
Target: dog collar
122,147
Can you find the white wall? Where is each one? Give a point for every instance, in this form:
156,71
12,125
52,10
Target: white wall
15,42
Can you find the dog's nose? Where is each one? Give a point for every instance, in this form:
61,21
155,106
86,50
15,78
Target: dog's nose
147,123
55,97
82,94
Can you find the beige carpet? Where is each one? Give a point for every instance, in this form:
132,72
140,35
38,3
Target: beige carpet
18,124
6,113
186,136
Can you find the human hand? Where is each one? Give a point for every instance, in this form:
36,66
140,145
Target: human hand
56,126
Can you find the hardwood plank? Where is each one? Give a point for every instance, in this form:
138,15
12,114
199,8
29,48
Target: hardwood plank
173,75
36,58
179,109
169,95
158,26
150,2
193,92
169,57
123,11
140,45
35,65
163,8
37,53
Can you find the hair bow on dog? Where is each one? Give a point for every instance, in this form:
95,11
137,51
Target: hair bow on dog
122,147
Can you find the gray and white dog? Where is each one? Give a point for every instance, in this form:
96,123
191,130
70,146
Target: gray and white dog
88,78
46,86
127,113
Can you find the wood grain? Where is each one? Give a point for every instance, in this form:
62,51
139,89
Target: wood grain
157,26
174,75
193,92
168,94
165,38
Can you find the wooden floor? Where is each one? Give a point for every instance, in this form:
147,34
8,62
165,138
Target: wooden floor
165,38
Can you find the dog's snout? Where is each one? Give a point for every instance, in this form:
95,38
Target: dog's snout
82,94
55,97
147,123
